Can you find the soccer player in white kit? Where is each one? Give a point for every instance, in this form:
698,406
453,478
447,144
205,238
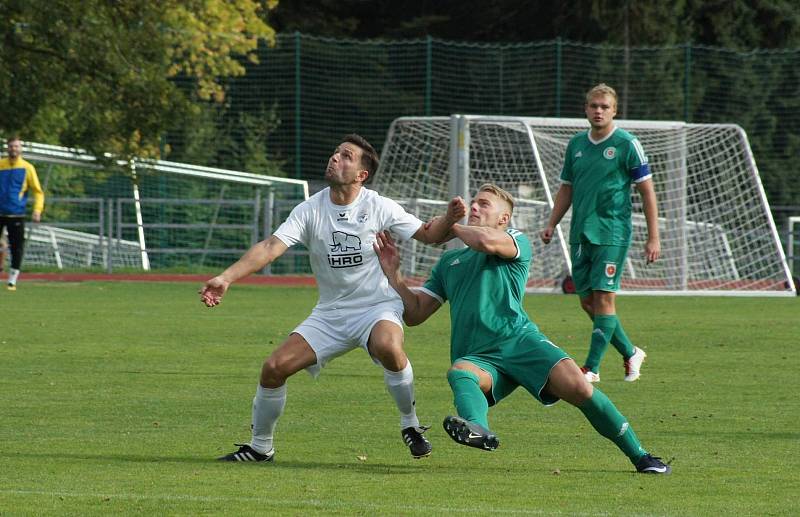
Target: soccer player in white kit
356,306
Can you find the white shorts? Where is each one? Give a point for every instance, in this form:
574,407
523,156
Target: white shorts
332,333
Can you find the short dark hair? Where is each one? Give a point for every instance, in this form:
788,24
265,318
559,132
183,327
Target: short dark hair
369,156
13,138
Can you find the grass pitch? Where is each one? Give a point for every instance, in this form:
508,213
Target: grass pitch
115,398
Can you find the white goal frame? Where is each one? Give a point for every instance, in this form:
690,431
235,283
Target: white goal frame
711,254
54,154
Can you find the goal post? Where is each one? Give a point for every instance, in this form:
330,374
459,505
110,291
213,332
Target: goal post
792,243
717,232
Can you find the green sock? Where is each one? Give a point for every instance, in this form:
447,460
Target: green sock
470,402
609,422
603,329
620,340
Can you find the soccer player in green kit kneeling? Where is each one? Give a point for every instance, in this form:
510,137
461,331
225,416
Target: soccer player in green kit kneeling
494,346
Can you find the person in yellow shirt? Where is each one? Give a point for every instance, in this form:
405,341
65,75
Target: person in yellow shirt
17,179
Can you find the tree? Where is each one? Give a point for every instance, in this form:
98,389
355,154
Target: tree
745,24
740,24
100,74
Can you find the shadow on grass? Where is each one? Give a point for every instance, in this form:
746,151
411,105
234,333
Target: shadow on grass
412,467
366,467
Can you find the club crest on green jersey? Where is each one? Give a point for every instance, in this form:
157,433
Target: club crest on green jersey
611,269
609,153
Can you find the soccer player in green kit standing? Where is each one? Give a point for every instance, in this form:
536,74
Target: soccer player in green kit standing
599,167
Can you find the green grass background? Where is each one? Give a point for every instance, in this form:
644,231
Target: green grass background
115,398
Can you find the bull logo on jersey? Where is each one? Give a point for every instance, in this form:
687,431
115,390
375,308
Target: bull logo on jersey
609,153
611,269
345,250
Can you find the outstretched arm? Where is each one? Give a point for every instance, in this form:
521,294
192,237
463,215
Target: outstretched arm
652,248
560,207
437,230
257,257
417,306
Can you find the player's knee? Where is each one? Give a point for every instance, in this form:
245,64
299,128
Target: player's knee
395,361
587,305
582,392
454,375
568,383
604,303
274,372
389,352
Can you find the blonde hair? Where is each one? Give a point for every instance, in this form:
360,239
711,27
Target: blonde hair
601,89
499,192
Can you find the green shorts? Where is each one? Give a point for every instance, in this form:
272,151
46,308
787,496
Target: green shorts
524,361
596,267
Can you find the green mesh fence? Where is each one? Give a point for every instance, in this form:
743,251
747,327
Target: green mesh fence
311,91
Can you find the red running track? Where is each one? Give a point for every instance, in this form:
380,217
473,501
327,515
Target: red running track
158,277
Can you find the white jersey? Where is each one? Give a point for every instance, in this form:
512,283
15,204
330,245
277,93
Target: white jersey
339,240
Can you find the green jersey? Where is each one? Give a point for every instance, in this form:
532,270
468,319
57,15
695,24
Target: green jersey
485,293
601,174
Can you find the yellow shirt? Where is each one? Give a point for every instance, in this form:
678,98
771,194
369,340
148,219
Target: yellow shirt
17,178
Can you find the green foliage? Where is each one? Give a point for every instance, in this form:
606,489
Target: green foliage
97,74
252,153
220,135
745,24
739,24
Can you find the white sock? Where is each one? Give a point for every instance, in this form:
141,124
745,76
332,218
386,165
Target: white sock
13,274
401,388
267,408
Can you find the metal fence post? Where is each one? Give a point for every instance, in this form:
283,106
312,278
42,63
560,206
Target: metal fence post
428,74
298,133
558,77
110,237
256,212
119,223
269,209
687,81
459,163
101,228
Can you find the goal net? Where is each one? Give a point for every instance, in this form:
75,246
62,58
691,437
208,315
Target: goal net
47,245
717,232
